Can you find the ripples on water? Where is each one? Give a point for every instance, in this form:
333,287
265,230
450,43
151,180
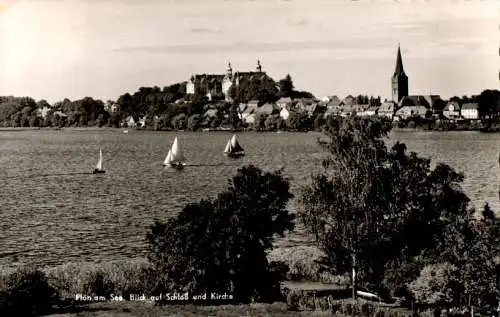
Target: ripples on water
52,213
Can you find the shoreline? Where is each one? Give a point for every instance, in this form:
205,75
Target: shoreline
397,129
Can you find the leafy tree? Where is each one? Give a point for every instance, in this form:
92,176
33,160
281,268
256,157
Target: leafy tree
281,124
220,245
438,284
193,122
372,200
472,244
260,121
286,86
319,122
179,122
254,88
234,118
301,94
489,105
297,120
271,123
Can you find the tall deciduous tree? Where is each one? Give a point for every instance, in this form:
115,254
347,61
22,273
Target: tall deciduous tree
373,205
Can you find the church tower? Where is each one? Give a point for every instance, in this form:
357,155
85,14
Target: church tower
399,80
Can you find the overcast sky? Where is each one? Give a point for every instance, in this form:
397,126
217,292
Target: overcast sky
52,49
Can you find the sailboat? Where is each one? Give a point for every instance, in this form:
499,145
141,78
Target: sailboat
98,168
175,156
233,148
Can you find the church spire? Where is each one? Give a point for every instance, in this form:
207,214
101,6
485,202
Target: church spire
399,63
399,80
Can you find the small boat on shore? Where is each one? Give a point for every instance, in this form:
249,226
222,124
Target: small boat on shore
98,168
175,157
233,148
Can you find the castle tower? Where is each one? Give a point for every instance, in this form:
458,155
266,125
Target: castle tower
259,66
229,71
399,80
227,82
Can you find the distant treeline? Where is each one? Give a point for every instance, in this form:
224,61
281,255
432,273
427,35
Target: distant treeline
171,108
167,108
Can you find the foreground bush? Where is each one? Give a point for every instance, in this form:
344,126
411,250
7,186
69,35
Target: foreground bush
220,246
26,292
304,263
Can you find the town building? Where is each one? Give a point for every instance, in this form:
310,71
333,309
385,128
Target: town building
387,109
470,111
452,110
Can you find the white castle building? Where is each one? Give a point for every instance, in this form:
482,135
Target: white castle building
218,84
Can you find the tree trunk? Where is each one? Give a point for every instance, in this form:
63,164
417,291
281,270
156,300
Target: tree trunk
354,268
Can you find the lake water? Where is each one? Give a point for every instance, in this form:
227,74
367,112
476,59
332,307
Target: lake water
52,213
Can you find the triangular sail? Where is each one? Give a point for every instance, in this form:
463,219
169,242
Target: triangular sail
235,145
177,154
99,163
228,147
168,159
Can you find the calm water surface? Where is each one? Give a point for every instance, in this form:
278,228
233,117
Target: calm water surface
52,213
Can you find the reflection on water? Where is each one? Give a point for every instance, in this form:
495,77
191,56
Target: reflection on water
54,210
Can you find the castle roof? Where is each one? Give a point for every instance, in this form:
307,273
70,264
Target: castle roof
207,77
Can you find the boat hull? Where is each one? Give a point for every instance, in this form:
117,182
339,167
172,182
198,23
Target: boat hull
176,166
98,172
235,155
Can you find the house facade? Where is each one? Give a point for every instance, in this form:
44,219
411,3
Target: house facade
406,112
470,111
387,109
284,102
452,110
368,112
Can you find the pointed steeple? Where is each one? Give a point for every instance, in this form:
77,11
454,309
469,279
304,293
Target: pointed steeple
399,63
399,80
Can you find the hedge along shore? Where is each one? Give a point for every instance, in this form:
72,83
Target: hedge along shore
135,275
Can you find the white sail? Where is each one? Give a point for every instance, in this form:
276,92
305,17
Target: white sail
228,147
99,163
168,159
177,154
234,141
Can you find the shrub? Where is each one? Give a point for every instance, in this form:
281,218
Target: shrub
304,263
437,284
220,246
26,292
102,279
